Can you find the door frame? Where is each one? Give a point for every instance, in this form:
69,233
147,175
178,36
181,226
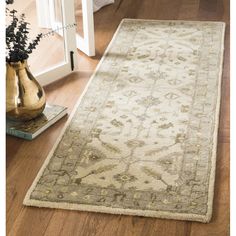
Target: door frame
70,62
86,43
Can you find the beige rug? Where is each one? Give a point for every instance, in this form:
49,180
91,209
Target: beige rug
142,139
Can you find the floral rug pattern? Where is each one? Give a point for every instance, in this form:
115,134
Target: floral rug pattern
142,136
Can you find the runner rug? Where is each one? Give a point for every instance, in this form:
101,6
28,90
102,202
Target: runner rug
143,137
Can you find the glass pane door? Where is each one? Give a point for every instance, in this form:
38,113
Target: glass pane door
85,23
85,27
55,55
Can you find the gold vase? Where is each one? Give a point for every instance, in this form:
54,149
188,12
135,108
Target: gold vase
25,98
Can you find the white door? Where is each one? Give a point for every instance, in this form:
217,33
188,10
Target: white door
87,43
47,19
56,53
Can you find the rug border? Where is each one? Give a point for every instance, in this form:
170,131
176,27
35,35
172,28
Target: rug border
148,213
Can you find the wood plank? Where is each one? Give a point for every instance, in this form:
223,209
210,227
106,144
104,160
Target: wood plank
220,220
31,154
25,158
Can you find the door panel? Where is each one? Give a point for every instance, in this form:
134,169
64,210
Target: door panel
55,53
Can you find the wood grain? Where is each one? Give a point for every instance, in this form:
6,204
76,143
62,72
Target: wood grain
24,158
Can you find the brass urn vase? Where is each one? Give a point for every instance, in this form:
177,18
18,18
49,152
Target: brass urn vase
25,98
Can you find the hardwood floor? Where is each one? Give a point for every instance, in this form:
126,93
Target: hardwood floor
25,158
